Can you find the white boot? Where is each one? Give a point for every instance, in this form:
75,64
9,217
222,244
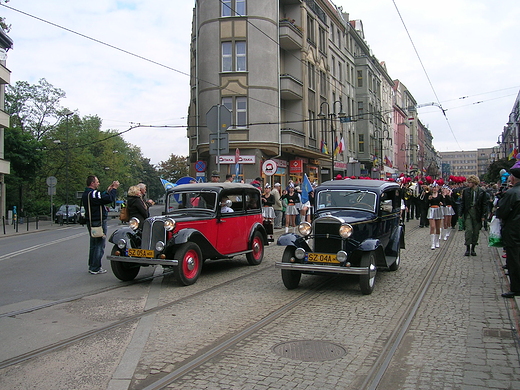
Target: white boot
286,229
433,240
447,233
437,240
442,234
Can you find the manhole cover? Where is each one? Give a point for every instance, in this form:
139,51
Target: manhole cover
309,350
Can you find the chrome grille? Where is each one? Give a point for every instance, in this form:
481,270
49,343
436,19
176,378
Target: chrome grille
326,237
153,231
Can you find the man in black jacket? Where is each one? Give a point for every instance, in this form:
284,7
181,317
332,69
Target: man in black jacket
96,214
473,209
508,212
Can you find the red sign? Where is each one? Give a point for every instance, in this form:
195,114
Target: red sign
296,166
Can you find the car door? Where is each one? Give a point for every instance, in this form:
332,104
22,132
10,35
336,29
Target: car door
232,229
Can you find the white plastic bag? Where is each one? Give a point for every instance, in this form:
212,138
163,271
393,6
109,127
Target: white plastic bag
495,237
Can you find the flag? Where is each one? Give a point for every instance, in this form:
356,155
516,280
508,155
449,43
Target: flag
322,146
341,145
388,163
513,153
306,188
336,146
167,185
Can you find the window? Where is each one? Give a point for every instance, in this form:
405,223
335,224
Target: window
312,76
323,40
240,56
359,78
238,107
361,143
310,30
323,83
233,7
360,110
312,124
340,79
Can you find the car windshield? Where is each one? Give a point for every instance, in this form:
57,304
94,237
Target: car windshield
354,199
191,200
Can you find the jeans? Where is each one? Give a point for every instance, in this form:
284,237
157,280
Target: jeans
97,249
278,218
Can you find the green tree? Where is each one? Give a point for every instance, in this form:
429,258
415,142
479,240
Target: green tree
174,168
493,173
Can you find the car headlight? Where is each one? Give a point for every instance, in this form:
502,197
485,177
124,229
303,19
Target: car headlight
341,256
159,246
121,244
345,230
134,223
169,224
305,228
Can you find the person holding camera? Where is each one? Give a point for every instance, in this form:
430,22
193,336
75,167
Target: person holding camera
96,215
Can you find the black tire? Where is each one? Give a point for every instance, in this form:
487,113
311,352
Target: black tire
395,265
366,282
190,260
124,271
291,279
257,245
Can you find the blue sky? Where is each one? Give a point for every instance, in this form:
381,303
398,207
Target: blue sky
468,47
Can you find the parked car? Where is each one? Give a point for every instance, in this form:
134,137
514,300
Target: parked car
73,214
356,229
193,228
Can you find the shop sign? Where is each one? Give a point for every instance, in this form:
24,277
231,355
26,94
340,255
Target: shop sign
269,167
280,163
296,166
232,159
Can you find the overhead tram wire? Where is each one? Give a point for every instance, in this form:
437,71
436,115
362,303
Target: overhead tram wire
425,72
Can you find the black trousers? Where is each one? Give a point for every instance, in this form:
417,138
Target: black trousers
513,267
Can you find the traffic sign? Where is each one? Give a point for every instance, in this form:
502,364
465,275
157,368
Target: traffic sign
218,119
200,166
219,143
269,167
51,181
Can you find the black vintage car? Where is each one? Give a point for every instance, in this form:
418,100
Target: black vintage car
201,221
356,229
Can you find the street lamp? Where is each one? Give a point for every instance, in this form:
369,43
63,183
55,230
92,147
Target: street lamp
380,136
67,114
331,115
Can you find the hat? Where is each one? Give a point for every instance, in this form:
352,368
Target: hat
515,170
268,185
258,179
215,174
277,184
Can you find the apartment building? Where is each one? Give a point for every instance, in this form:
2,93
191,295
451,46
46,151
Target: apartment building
5,75
460,163
302,87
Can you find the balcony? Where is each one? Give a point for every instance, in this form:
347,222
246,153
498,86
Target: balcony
290,87
293,137
291,35
5,75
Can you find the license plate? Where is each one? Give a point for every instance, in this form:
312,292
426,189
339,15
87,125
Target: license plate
132,252
322,258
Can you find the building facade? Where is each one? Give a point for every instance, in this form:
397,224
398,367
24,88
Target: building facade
5,75
302,88
459,163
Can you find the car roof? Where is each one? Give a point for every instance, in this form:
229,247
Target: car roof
358,184
212,187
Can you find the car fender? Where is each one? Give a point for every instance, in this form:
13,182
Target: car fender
123,232
258,227
292,239
191,235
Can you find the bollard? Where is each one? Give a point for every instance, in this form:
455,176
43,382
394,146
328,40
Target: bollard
27,218
3,223
37,220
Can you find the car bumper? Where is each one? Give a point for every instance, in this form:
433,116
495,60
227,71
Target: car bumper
327,269
144,260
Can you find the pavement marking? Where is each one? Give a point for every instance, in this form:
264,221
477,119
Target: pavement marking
36,247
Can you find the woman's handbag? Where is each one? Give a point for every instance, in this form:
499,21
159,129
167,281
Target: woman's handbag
123,214
495,237
97,231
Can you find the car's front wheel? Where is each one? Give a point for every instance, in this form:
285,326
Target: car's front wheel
122,270
257,245
190,260
367,281
291,279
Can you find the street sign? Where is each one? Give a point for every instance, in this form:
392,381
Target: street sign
200,166
219,143
269,167
51,181
218,119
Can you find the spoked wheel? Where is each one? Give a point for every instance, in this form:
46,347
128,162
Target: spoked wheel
291,279
367,281
257,245
124,271
395,265
190,263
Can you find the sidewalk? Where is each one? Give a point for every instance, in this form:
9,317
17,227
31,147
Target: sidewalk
24,228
